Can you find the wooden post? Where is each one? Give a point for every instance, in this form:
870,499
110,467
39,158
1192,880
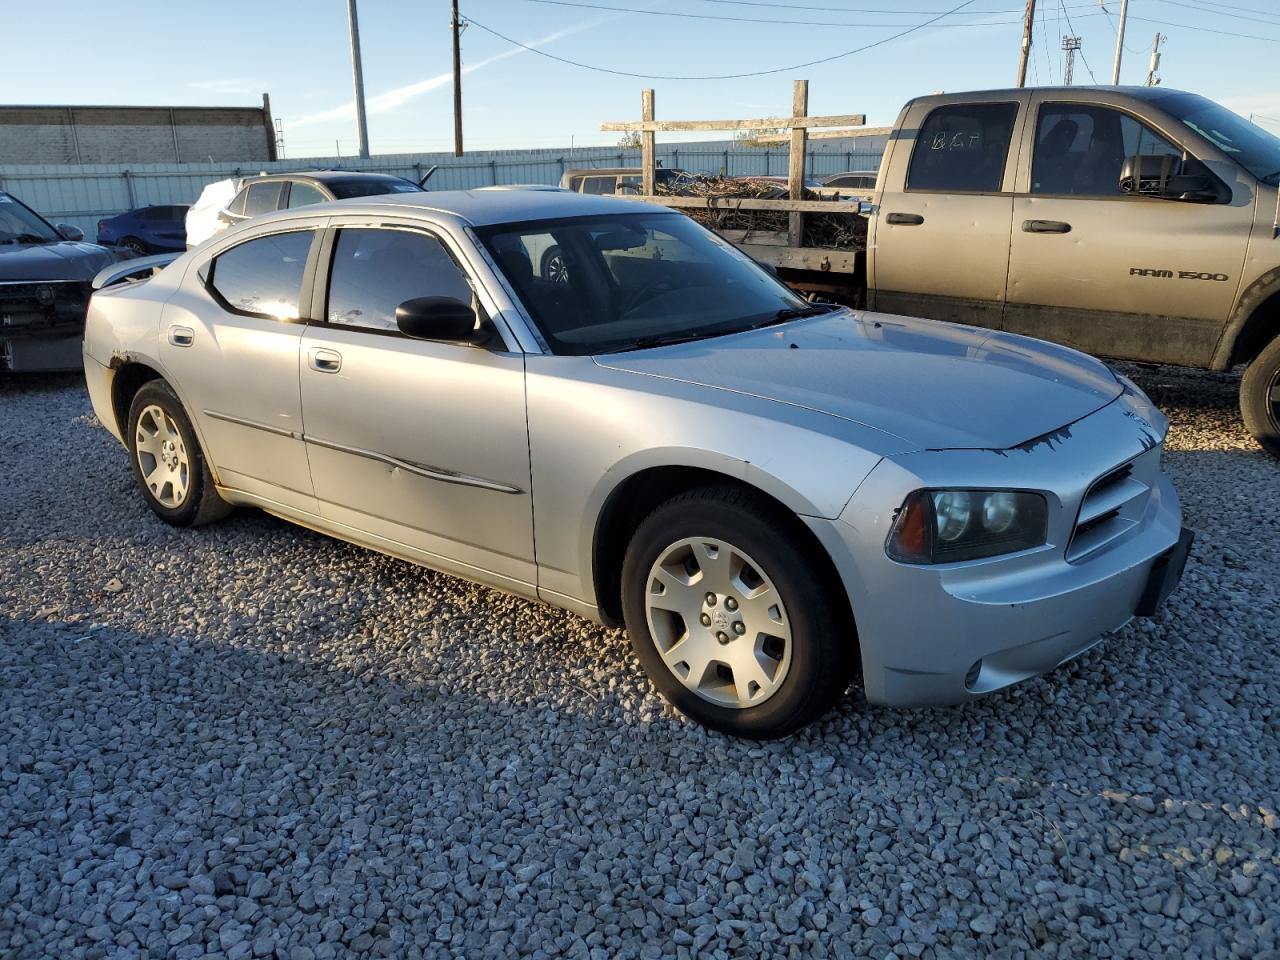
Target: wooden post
795,168
647,144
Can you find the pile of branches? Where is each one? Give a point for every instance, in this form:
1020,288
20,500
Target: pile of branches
836,231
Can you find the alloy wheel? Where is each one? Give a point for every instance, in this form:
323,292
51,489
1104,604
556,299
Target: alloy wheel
162,456
718,622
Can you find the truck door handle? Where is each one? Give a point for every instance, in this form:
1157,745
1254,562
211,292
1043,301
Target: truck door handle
1045,226
324,361
181,336
904,219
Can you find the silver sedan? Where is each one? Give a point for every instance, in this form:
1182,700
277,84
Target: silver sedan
601,405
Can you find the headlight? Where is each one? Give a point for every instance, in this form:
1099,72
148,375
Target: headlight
946,526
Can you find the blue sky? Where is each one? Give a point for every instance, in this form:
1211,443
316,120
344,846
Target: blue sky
183,52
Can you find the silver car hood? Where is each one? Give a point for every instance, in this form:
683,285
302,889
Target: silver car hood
934,385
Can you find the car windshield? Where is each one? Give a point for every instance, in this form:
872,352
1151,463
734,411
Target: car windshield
21,225
627,281
1248,144
346,189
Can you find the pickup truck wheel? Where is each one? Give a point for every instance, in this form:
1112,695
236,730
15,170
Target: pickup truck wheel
1260,398
167,460
729,618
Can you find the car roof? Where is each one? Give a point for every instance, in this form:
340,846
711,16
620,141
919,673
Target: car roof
477,208
326,176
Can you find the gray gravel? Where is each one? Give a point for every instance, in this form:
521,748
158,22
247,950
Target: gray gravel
253,741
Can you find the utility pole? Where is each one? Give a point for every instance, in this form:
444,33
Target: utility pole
1070,45
1153,78
357,73
1124,17
1027,23
457,82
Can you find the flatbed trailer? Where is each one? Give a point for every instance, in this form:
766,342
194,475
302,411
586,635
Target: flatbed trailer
836,273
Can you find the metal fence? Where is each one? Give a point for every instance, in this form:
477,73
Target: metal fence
82,194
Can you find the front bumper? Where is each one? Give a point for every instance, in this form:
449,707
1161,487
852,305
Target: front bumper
944,634
41,324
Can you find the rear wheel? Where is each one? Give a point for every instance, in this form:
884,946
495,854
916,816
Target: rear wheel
168,464
134,246
1260,398
732,622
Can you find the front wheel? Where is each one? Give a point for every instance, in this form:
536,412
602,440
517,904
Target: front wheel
1260,398
733,623
168,463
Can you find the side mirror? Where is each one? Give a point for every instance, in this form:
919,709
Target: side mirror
438,318
68,232
1155,176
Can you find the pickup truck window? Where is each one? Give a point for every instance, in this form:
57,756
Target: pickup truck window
1080,149
1255,149
599,185
962,148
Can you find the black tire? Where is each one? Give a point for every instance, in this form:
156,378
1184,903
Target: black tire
1260,398
823,644
134,246
201,504
552,266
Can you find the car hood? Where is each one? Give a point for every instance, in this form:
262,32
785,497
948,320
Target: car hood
933,385
63,260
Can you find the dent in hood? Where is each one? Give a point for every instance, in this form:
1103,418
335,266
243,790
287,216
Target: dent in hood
60,260
934,385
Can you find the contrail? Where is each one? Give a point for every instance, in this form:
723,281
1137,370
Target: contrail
385,102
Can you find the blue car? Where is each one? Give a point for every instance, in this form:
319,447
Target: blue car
155,229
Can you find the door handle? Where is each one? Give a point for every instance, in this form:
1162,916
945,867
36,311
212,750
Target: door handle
181,336
904,219
1045,226
324,361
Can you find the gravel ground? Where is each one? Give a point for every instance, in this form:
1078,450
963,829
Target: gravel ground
251,740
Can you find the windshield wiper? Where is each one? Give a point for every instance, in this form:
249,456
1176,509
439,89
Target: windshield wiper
794,313
662,340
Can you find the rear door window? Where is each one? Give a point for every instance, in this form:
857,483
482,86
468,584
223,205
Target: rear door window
263,277
263,197
962,148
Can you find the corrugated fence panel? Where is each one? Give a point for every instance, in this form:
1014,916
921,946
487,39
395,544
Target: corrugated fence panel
83,194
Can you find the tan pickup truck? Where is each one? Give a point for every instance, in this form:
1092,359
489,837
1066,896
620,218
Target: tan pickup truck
1137,223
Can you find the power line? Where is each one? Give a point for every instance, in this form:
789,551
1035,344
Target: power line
727,76
1222,13
757,20
1044,36
1233,6
827,8
1115,28
1188,26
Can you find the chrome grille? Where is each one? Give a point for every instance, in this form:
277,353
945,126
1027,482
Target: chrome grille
1113,505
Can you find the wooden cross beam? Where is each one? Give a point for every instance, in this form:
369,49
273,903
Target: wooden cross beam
763,123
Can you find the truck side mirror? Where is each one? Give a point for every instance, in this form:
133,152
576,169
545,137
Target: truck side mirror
1170,178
